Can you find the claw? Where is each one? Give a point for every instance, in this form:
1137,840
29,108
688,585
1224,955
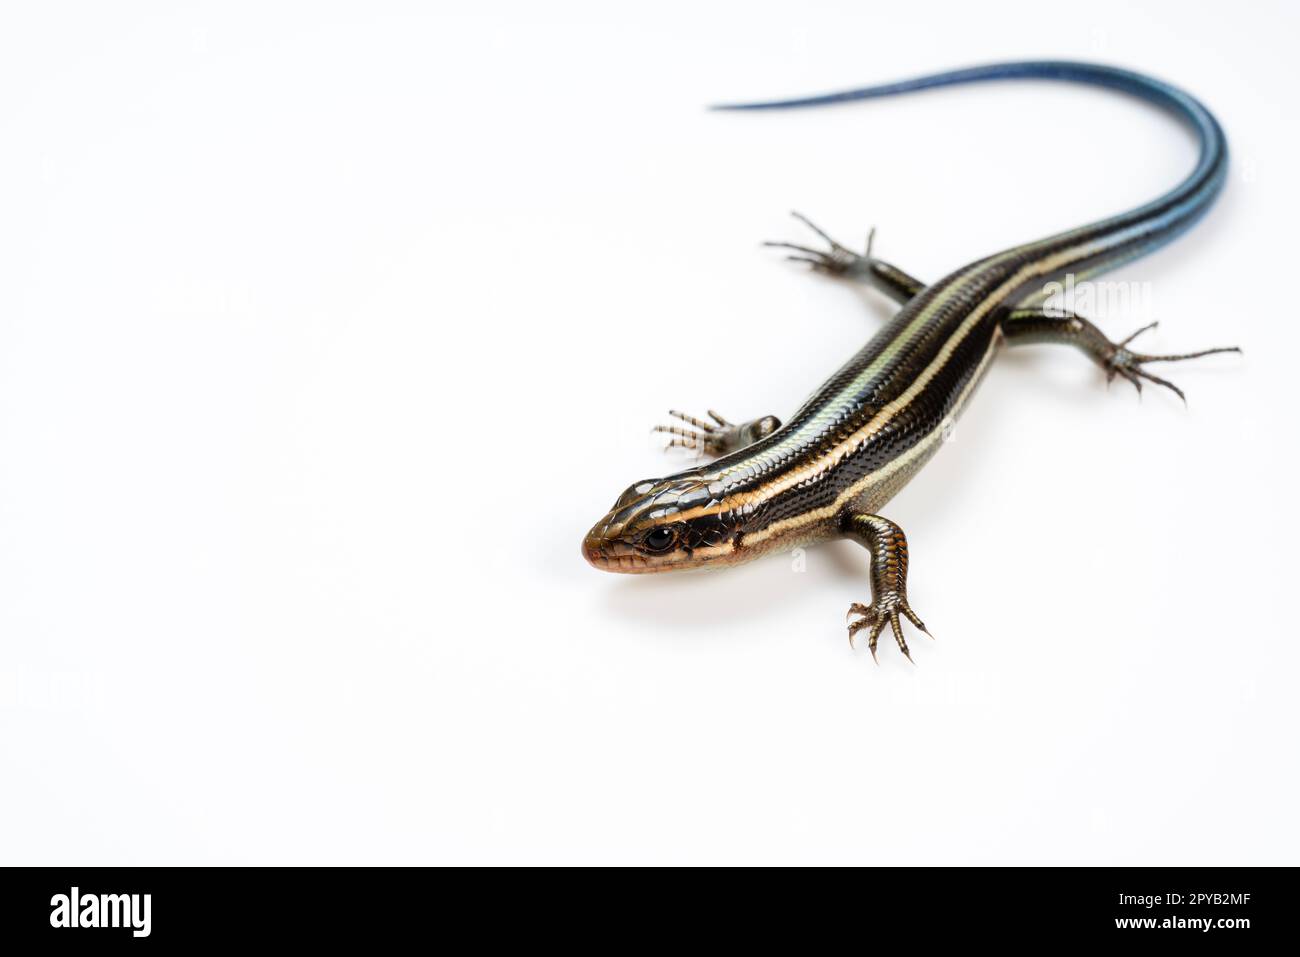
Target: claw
816,229
876,629
876,617
911,616
1137,383
1129,364
707,427
1134,335
1164,382
709,438
836,260
772,244
1185,355
675,430
857,626
702,440
857,608
897,628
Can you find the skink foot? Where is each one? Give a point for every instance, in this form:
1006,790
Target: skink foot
718,437
887,610
838,260
1128,364
889,605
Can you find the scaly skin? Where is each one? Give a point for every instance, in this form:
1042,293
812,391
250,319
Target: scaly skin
866,431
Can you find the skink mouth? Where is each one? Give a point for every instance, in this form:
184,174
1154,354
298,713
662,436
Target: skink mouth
625,564
611,555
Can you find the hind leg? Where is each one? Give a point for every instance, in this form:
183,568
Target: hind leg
1115,358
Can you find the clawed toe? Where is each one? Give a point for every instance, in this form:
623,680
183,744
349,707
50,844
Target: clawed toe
711,438
1129,364
718,437
857,608
837,260
896,608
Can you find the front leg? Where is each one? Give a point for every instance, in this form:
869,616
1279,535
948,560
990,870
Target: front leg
888,547
718,437
839,260
1115,358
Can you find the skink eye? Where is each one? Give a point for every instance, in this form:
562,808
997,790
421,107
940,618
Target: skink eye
660,539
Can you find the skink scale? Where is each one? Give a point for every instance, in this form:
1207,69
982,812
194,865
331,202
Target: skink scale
828,471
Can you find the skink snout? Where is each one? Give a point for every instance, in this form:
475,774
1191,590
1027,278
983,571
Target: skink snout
591,549
605,549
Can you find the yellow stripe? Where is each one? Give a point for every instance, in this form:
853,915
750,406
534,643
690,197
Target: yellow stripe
739,500
882,418
880,474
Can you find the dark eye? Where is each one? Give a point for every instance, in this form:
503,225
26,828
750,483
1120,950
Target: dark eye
660,539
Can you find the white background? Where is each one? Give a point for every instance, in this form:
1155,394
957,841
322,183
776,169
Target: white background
326,330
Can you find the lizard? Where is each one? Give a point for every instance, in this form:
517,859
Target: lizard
827,471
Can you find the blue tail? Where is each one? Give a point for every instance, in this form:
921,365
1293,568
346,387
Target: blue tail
1137,231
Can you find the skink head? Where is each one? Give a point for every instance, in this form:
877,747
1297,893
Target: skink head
660,525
